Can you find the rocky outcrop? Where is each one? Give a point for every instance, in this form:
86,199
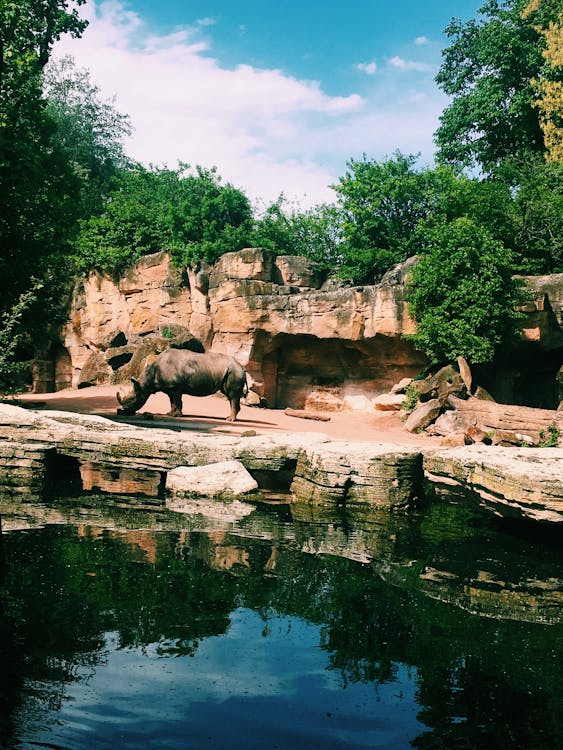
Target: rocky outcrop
521,483
296,334
65,452
306,342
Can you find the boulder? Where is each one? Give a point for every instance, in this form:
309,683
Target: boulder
357,402
252,263
143,355
465,373
96,371
118,356
186,340
223,480
402,385
357,475
521,483
389,401
445,382
451,422
324,399
475,434
423,415
398,274
295,270
112,340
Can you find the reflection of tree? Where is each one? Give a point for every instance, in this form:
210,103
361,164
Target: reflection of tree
64,592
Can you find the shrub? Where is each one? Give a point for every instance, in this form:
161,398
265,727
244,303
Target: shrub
462,294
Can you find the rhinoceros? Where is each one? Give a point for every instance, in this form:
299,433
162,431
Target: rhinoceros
179,371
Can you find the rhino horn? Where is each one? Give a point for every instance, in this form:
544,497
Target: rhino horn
118,396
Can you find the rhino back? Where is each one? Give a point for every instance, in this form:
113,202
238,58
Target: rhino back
194,373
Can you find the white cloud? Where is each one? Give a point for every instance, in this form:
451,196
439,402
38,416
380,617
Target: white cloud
266,131
422,40
369,68
401,64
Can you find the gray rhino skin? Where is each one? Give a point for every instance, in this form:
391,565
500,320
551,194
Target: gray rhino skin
179,371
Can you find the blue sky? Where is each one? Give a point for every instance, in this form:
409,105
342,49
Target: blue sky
278,96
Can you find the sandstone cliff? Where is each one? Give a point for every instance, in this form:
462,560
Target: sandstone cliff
306,341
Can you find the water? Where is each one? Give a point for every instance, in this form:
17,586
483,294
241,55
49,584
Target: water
288,628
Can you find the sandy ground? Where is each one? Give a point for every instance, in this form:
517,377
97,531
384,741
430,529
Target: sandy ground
208,414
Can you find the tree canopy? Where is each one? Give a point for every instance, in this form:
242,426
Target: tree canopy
89,130
549,84
187,212
489,70
37,185
315,233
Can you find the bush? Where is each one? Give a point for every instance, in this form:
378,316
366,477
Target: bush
462,294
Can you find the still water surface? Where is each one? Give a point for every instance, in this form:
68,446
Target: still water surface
284,629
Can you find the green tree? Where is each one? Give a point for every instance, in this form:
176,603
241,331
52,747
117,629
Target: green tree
37,186
549,86
382,204
535,216
314,233
189,213
89,129
13,336
462,294
389,207
488,70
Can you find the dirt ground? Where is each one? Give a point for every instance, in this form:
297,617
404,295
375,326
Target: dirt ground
208,414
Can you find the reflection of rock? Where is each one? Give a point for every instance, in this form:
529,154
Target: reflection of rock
439,556
210,509
484,594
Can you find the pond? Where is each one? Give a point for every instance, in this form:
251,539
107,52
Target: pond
287,628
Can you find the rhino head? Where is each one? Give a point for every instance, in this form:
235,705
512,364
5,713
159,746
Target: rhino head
132,401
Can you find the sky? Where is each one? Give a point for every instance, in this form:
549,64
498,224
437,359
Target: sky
278,96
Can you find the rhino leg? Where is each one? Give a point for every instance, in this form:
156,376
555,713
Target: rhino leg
175,404
235,408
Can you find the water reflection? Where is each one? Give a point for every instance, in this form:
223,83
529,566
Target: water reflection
284,629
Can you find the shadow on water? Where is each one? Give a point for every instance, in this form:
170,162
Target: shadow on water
289,627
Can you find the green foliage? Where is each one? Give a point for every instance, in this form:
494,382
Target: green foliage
390,208
488,70
189,214
37,185
411,401
90,130
535,215
462,294
550,439
382,205
314,234
12,335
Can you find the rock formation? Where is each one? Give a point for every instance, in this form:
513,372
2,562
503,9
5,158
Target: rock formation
69,454
306,342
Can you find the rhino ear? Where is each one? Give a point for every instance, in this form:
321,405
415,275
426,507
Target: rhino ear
136,385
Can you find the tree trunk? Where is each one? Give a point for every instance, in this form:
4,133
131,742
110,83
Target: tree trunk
489,416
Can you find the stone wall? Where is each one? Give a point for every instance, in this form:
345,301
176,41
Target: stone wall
306,341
